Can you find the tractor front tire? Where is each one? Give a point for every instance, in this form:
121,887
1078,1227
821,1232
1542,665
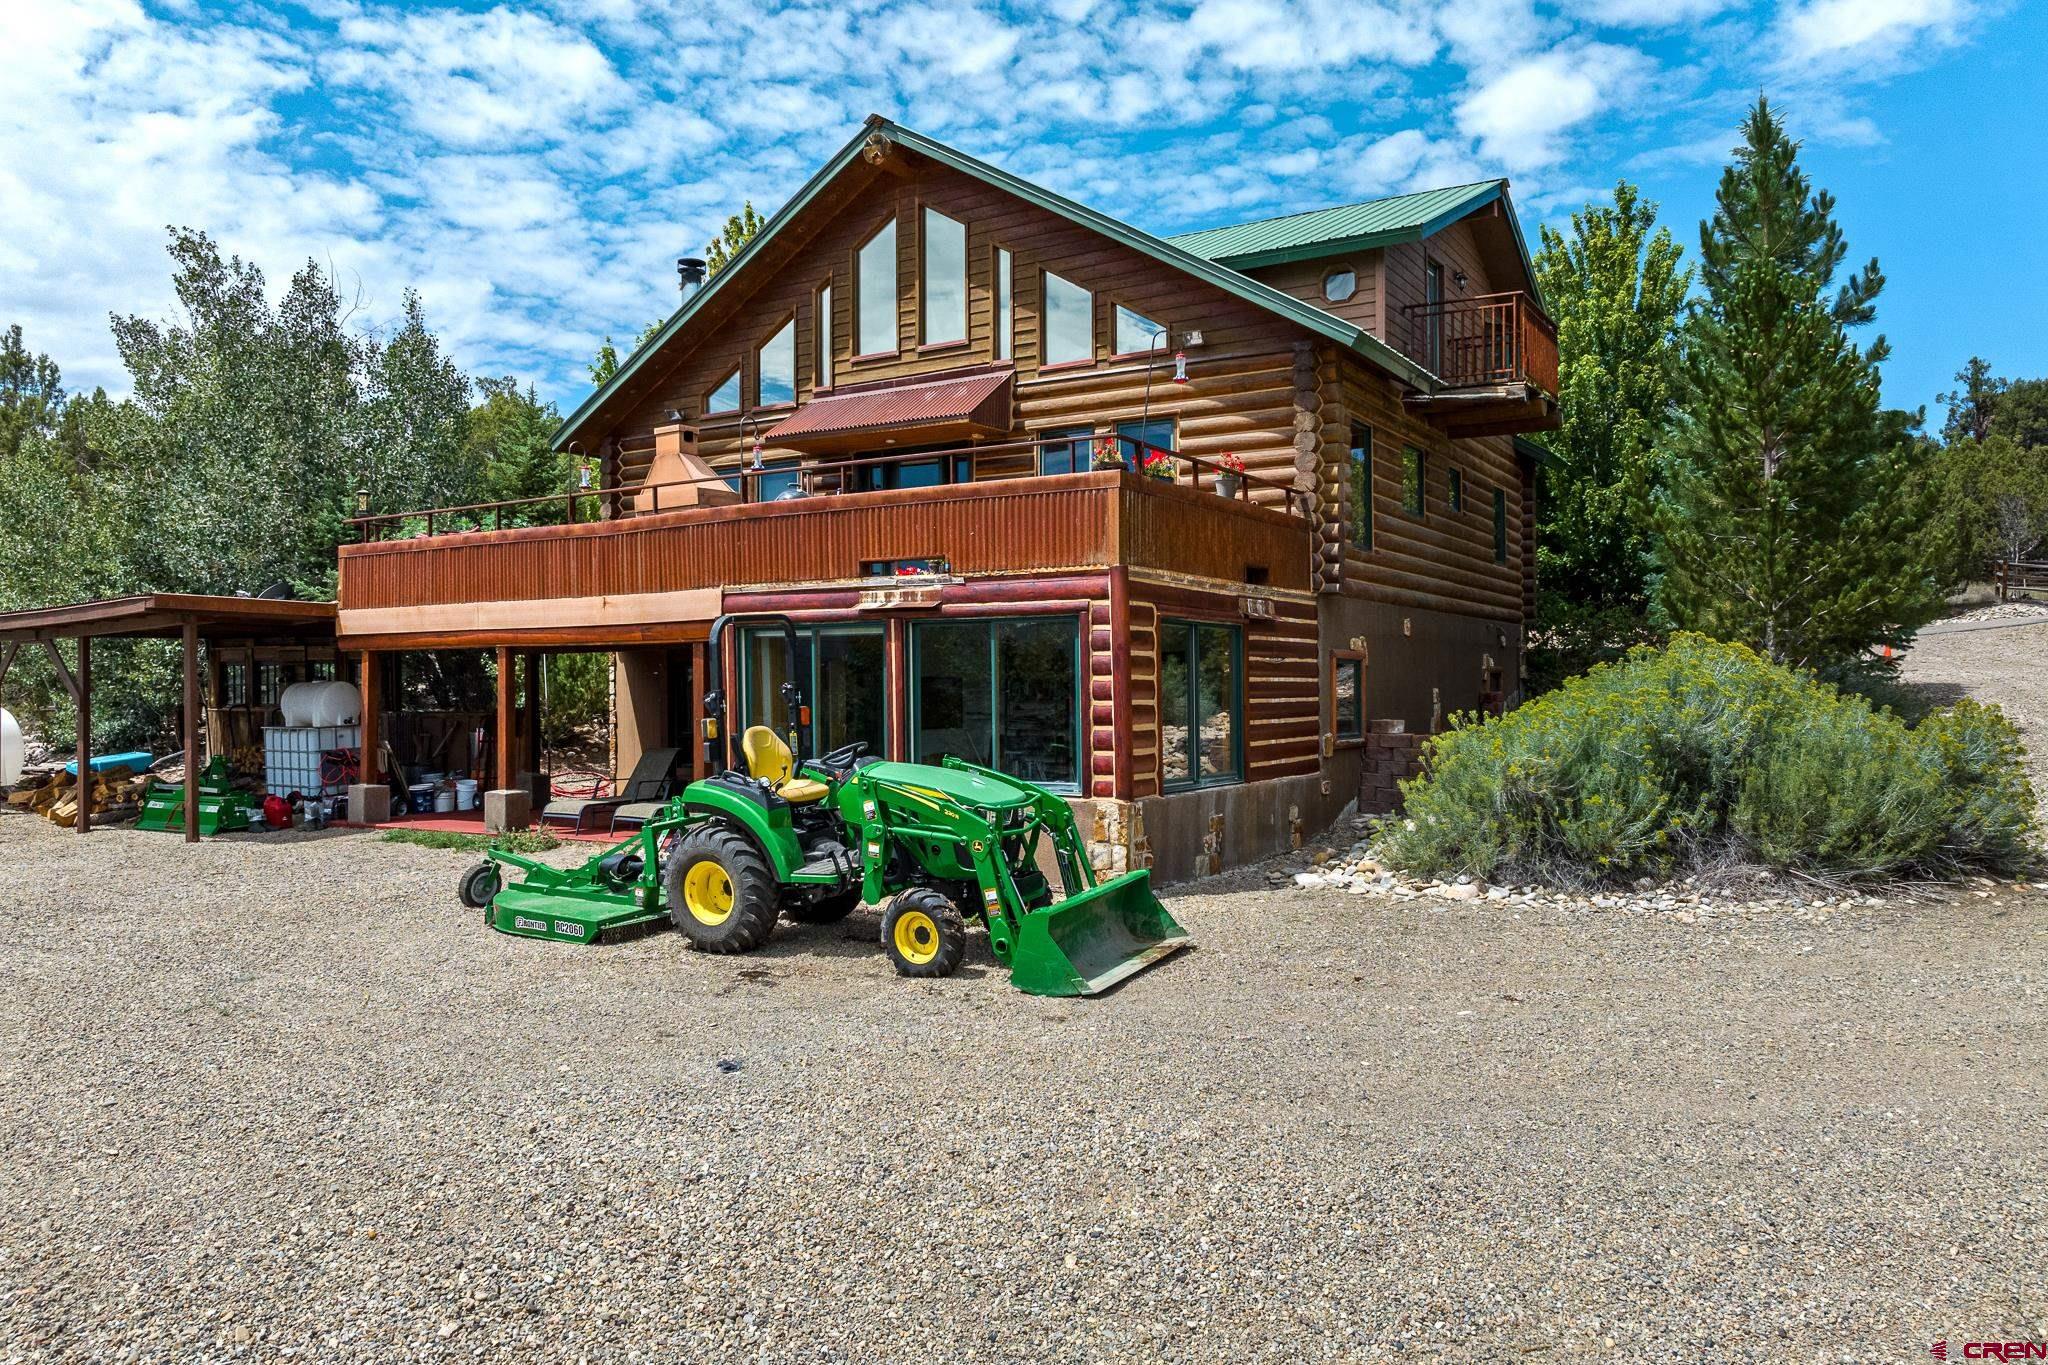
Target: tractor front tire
722,895
480,885
824,910
924,933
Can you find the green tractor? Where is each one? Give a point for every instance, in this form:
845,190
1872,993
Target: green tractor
775,834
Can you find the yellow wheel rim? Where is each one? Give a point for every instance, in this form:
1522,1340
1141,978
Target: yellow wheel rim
917,937
707,893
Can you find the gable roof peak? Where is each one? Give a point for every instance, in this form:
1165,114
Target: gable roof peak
1165,251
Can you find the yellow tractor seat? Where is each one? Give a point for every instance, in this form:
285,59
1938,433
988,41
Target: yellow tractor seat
769,759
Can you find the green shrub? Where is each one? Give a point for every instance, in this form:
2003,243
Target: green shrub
1701,752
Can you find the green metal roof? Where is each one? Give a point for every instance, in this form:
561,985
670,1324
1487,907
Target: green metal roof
1319,232
1168,252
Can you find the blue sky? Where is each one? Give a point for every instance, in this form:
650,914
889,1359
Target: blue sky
534,168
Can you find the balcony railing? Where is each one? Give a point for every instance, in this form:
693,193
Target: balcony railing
1048,524
1489,340
811,479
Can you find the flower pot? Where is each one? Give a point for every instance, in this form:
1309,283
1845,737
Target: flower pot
1227,484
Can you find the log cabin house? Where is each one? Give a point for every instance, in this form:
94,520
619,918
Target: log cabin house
915,414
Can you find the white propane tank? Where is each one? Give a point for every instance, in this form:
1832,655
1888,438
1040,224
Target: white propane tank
13,752
339,703
300,703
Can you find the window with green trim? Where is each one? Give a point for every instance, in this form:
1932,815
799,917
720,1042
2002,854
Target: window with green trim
844,671
1361,487
1201,704
1454,490
1500,526
1414,482
1004,693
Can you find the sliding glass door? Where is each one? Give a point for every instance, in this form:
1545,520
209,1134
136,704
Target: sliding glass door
1004,694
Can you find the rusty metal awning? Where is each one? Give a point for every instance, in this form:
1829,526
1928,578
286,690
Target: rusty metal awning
957,407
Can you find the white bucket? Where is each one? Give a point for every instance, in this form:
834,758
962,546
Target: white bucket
465,793
444,800
13,751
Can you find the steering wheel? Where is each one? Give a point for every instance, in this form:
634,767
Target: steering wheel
842,758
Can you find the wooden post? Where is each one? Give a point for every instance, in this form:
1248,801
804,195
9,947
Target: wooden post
504,718
699,677
370,771
532,735
191,732
84,788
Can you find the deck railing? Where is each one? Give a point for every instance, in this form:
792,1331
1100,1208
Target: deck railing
1490,339
821,478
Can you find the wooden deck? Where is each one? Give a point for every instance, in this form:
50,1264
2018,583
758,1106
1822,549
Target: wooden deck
663,576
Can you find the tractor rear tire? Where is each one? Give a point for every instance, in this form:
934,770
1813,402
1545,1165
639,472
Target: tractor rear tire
722,895
825,910
924,933
479,885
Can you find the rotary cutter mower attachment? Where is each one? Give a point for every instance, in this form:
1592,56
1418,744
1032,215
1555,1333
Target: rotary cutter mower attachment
776,835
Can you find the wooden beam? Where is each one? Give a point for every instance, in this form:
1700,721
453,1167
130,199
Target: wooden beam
64,674
504,745
83,791
7,658
699,672
371,768
533,713
191,732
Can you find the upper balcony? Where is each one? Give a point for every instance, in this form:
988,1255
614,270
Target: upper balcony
1497,357
627,565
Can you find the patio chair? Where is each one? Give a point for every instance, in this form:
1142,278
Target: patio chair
653,779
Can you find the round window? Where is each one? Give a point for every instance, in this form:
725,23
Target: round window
1340,285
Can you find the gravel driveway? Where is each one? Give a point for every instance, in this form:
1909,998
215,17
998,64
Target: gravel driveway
2003,663
281,1098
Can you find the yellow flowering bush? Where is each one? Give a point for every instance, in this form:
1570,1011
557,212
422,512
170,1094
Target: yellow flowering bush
1699,751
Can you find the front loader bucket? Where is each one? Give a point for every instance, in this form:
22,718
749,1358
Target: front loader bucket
1088,943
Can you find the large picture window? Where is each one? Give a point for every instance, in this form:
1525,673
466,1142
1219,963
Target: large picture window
1201,704
1133,439
1361,487
874,324
825,337
726,397
1067,452
1135,332
1414,482
1004,308
843,671
1069,321
1002,693
777,369
945,279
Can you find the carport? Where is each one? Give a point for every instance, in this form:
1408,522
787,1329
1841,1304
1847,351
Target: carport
177,616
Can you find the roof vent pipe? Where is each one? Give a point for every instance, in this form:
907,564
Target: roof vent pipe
689,275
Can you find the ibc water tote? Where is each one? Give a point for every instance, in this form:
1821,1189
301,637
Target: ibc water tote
13,750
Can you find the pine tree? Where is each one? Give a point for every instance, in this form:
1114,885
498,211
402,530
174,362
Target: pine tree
1972,403
739,229
1616,289
1787,520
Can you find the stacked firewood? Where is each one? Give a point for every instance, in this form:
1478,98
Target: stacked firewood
115,794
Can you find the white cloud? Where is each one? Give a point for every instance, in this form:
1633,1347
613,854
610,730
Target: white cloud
1520,116
535,166
1650,13
1837,31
